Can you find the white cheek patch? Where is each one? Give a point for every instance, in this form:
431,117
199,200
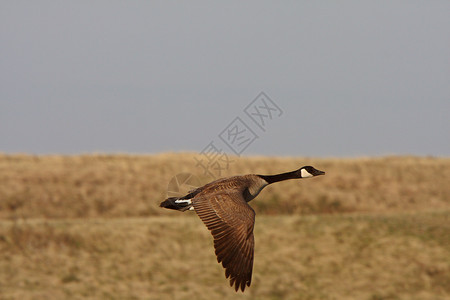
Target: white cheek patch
305,174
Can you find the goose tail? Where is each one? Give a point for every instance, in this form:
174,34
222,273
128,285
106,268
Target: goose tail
177,204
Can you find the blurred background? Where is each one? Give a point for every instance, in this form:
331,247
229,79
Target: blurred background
106,107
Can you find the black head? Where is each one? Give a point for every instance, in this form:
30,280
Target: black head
308,171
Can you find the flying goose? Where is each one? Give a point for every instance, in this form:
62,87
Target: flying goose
222,206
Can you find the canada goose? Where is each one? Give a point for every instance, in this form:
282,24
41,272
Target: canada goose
222,206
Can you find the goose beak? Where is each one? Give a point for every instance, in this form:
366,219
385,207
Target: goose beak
318,172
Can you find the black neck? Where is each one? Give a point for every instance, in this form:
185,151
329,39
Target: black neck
279,177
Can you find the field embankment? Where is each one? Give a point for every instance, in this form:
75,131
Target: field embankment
133,186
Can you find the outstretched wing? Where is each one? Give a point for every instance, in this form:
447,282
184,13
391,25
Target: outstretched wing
230,220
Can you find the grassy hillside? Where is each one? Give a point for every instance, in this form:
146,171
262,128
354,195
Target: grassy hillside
124,186
89,227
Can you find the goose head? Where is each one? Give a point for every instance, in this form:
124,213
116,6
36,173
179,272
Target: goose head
308,171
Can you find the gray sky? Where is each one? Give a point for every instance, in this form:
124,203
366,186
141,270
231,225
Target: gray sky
351,77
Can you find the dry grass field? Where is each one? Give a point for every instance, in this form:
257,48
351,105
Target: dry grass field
89,227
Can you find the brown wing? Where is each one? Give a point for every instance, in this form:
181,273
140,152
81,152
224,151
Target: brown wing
230,220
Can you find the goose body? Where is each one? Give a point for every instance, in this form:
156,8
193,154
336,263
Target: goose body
223,208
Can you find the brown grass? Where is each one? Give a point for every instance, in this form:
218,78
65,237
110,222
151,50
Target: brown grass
88,227
132,186
402,256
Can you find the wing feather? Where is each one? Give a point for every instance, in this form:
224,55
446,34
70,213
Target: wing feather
231,220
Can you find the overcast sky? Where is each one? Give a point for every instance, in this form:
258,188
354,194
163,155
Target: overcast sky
347,78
